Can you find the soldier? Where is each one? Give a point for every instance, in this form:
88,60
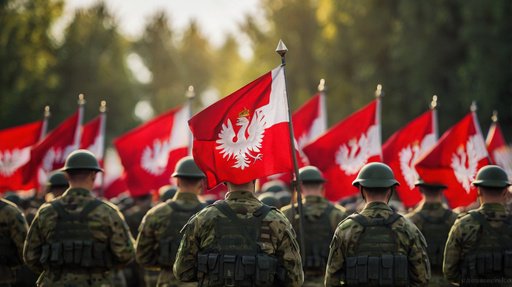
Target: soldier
166,192
377,247
270,199
434,221
76,239
239,242
159,234
56,185
479,246
13,229
320,220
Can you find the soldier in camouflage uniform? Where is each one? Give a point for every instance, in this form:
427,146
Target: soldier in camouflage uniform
377,247
56,185
434,220
479,247
76,239
239,242
13,229
320,220
159,234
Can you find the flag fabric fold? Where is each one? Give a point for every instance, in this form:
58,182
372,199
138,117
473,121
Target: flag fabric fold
499,152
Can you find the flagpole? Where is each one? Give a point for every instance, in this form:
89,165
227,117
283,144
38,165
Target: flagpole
78,131
473,109
378,95
103,126
494,119
191,95
323,101
435,126
281,50
44,128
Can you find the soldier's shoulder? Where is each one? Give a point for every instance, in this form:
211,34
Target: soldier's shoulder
276,214
348,223
340,209
108,206
9,207
287,208
160,209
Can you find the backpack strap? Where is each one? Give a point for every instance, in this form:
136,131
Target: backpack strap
63,214
365,222
89,207
480,218
2,204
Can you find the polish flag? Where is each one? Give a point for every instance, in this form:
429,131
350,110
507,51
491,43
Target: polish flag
245,135
15,144
500,153
93,139
455,160
345,148
150,152
404,148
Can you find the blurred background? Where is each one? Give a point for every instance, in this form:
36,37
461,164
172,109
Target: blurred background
140,56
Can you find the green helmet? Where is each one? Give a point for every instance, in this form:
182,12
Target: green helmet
491,176
310,174
375,174
431,185
81,159
269,198
57,179
187,167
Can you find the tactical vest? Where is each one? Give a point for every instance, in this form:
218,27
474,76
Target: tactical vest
435,230
491,258
8,250
72,246
171,237
318,234
234,258
376,260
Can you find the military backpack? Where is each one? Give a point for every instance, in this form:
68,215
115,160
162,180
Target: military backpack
435,230
318,234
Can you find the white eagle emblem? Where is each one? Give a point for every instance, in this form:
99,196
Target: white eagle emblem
465,162
155,157
410,154
244,146
11,161
352,156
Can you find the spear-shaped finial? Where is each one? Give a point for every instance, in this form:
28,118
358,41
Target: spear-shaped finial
473,106
81,99
47,112
433,104
103,106
378,91
281,50
494,117
321,86
190,94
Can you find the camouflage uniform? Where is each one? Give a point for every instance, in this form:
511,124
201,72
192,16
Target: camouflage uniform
106,225
13,229
277,238
153,228
434,214
410,243
313,209
465,235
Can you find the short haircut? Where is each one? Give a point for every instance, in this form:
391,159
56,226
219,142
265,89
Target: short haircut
312,184
431,191
491,190
188,181
377,190
79,174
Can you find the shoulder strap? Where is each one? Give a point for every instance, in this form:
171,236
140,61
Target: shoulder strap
61,212
488,228
90,206
2,204
365,222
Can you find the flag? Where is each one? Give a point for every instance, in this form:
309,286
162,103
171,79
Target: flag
93,139
51,153
404,148
115,187
245,135
455,160
15,144
150,152
345,148
499,152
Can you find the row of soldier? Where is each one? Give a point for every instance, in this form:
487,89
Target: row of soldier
78,240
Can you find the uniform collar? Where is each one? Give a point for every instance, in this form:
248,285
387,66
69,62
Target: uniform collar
378,205
493,207
240,194
314,199
185,195
77,192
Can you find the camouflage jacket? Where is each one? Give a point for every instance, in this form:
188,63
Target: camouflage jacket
433,210
105,222
464,235
199,232
13,230
151,230
410,242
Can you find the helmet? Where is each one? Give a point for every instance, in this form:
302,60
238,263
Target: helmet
57,179
81,159
375,174
269,198
167,192
273,186
187,167
491,176
431,185
310,174
284,197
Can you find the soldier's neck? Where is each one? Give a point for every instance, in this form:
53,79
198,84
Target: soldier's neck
83,185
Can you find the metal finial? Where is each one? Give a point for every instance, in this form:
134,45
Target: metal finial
190,94
433,104
281,50
321,85
378,92
81,99
103,106
494,117
473,106
47,112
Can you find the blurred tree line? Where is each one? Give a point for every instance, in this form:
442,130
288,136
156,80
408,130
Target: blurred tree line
459,50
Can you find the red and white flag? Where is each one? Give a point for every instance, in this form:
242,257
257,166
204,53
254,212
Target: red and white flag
455,160
51,153
245,135
150,152
500,153
93,139
404,148
345,148
15,144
